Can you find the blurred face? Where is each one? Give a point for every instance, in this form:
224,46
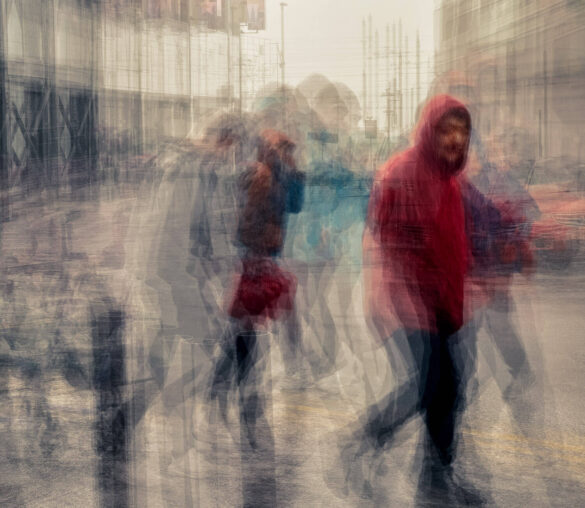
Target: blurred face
334,114
451,140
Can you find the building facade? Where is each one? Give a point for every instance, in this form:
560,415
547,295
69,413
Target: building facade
525,59
86,82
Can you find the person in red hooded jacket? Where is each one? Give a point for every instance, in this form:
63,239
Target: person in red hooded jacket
416,219
416,259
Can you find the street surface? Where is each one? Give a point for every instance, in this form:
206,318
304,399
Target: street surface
107,362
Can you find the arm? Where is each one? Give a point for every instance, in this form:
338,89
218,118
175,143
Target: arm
295,193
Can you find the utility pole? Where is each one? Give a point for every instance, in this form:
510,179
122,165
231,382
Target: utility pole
239,27
282,6
388,89
4,125
190,70
140,115
540,133
388,95
387,54
277,55
394,70
430,71
364,70
198,69
376,81
400,75
412,106
229,53
282,64
394,104
417,67
206,64
370,73
406,83
545,106
51,145
96,84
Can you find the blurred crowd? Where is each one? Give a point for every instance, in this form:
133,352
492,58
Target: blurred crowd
270,224
266,229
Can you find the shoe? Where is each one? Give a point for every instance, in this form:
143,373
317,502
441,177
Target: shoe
519,385
362,464
433,489
465,493
439,486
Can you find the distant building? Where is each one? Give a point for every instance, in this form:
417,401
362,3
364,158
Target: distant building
526,58
82,80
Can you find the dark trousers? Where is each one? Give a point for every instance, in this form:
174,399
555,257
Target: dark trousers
438,365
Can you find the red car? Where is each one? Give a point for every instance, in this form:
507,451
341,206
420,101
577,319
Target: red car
559,234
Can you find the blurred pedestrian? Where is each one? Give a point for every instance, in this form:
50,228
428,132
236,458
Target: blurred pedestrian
512,254
269,189
502,211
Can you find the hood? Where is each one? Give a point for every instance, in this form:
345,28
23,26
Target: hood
424,142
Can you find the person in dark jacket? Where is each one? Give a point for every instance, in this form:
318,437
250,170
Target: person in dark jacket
502,213
269,189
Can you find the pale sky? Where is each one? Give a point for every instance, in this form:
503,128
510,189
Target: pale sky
326,36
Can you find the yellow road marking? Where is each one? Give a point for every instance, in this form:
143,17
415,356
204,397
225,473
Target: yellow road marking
490,440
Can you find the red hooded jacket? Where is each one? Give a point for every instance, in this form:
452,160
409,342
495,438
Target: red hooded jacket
416,251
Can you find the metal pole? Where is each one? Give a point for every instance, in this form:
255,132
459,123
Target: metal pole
388,111
545,106
370,64
282,6
50,149
540,134
277,63
229,54
198,70
376,81
417,67
387,54
364,70
400,75
394,104
93,158
141,134
4,124
406,83
282,77
240,67
394,69
190,70
388,90
412,106
206,65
